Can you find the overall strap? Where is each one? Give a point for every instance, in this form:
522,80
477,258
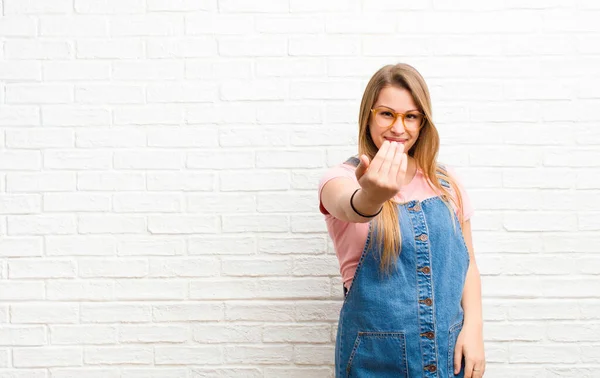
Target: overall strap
444,172
353,161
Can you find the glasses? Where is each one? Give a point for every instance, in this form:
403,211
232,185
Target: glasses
385,117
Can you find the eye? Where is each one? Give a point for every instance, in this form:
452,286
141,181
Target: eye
386,114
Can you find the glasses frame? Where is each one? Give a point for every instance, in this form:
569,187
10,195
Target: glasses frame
374,112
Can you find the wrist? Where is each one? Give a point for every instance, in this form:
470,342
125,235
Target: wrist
473,323
362,205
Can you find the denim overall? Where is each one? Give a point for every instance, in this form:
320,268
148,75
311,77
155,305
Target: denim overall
405,324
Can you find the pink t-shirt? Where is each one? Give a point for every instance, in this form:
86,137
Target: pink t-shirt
349,238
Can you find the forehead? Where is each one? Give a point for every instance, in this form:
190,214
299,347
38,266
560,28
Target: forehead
398,99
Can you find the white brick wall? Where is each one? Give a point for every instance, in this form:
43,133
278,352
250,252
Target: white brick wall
159,162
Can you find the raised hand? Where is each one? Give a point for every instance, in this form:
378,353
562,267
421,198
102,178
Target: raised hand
382,178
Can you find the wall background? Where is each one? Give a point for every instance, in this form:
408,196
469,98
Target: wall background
159,162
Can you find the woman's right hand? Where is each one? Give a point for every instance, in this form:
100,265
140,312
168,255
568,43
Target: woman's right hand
382,178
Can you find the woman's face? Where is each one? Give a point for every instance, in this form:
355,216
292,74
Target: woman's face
394,99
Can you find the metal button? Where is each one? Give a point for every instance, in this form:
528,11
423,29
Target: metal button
426,270
431,368
427,301
429,335
423,237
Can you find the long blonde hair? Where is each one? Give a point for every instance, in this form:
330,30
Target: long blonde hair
386,227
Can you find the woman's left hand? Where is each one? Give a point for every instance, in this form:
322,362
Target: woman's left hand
470,345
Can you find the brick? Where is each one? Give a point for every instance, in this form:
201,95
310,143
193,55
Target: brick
83,334
80,245
118,355
153,334
181,48
41,268
110,6
183,355
37,7
21,247
222,245
267,288
75,70
234,333
37,49
56,313
36,94
76,202
47,356
111,181
109,93
115,313
41,224
218,24
118,268
22,336
89,372
256,267
184,267
79,25
260,354
71,290
188,311
20,203
182,224
146,25
150,289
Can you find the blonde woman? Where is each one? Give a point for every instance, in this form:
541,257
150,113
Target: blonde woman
400,225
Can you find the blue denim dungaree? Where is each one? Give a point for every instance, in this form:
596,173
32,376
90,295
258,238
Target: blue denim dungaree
405,324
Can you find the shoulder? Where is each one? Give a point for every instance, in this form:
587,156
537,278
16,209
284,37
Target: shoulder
345,169
453,172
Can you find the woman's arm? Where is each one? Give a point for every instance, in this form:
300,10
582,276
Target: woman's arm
335,197
469,344
471,298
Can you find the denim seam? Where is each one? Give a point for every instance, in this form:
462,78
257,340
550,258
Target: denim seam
434,305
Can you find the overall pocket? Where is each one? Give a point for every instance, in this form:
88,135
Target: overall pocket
452,336
378,354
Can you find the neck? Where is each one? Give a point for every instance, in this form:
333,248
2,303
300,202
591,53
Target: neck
410,171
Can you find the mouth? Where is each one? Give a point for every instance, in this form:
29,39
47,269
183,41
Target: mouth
397,140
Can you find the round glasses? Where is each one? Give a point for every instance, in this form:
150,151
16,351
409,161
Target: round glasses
385,117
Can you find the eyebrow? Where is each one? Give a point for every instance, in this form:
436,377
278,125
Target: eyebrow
385,106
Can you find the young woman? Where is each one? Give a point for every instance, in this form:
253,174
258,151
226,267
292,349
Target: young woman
400,225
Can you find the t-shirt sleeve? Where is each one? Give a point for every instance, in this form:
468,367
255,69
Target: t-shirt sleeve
468,209
341,170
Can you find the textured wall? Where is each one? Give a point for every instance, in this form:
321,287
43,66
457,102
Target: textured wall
159,162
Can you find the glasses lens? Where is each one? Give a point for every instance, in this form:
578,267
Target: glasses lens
385,118
413,119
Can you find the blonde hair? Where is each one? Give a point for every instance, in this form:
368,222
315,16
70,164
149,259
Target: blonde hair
425,150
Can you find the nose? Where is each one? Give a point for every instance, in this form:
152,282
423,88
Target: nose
398,126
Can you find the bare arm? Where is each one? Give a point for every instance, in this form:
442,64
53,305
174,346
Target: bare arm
335,197
471,298
378,181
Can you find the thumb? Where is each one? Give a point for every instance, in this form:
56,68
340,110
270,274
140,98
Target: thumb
362,166
458,354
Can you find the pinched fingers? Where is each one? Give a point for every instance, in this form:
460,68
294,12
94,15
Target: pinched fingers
398,167
379,158
389,158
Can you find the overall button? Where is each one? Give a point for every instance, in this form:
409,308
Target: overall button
431,368
423,237
425,269
417,207
427,301
429,335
